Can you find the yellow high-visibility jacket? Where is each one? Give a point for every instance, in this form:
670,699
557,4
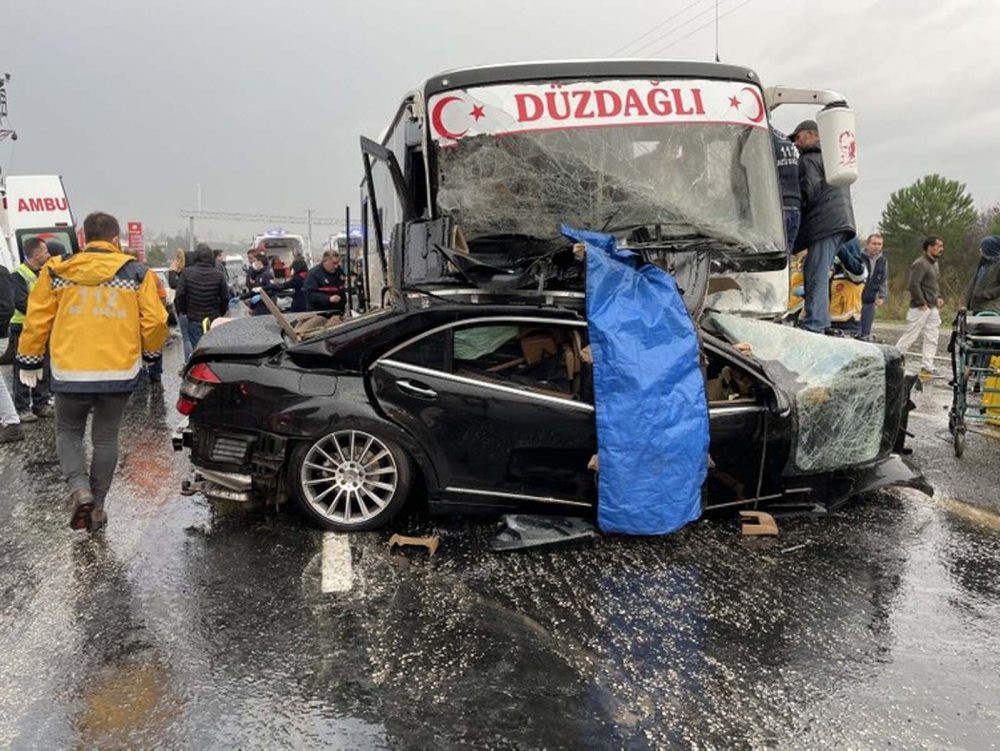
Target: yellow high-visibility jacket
100,316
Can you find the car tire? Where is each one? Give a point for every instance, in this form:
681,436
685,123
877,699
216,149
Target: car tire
350,480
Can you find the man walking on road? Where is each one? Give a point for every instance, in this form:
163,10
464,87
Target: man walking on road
30,403
324,286
202,293
827,223
924,317
877,286
99,315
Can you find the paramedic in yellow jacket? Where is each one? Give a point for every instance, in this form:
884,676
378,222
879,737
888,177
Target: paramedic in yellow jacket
99,314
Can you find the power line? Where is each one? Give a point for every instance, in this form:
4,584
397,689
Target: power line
659,25
236,216
663,36
729,12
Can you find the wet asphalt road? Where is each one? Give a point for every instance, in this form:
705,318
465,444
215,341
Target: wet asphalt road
191,626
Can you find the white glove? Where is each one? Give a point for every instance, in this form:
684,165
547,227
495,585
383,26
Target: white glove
30,378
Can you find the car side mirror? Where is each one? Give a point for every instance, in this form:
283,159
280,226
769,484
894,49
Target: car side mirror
778,403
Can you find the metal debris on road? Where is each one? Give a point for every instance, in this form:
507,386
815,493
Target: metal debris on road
758,523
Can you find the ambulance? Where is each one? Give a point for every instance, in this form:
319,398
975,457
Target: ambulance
30,206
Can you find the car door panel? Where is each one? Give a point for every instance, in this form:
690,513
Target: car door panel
489,439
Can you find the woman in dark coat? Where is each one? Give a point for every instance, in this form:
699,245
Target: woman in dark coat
299,272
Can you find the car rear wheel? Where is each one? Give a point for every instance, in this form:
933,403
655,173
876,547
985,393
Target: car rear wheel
351,480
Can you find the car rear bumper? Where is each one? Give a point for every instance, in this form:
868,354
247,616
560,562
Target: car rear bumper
231,464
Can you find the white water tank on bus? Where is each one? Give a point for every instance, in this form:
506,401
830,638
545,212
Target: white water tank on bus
839,143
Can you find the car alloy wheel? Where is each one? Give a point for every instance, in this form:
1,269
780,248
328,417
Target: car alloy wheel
350,478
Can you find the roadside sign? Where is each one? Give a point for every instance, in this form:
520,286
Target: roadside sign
136,244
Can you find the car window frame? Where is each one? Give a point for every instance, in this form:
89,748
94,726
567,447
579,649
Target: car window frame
721,347
526,392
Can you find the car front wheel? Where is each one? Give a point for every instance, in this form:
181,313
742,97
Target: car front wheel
351,480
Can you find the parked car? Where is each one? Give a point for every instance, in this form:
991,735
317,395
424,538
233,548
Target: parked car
482,408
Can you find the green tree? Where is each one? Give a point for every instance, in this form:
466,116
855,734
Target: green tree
933,205
156,257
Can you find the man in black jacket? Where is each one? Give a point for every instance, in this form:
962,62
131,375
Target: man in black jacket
202,293
877,286
827,223
324,286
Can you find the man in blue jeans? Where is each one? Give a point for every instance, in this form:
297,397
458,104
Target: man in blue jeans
202,293
827,223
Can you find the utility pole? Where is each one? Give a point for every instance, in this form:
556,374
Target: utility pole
4,131
309,220
197,187
716,30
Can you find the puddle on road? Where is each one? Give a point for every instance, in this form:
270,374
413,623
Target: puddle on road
126,700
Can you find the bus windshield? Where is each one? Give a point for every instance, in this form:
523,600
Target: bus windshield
690,157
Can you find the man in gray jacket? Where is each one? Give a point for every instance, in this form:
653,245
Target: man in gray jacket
924,317
827,223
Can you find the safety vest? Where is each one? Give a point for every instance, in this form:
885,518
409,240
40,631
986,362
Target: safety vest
31,278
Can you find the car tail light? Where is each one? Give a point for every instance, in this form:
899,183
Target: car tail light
185,405
201,372
198,383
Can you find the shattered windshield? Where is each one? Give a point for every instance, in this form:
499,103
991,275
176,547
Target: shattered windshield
522,160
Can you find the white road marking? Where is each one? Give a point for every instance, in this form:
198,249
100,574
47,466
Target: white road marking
337,575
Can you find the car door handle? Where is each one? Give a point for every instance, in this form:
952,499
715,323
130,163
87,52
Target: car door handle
421,392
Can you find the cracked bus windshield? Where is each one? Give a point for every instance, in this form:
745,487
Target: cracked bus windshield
522,160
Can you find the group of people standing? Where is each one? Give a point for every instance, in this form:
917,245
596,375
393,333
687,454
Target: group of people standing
843,284
321,288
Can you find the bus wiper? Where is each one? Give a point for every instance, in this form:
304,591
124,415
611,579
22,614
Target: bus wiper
690,243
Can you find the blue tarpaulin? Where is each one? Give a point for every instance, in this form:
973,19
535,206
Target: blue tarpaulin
649,393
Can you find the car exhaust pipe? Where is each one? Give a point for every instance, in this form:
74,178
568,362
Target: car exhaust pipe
229,480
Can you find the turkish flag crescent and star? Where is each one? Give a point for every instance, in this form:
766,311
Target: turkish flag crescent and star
523,108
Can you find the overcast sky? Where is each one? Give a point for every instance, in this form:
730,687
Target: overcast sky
262,102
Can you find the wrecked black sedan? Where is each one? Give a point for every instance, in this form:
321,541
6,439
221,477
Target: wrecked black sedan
490,408
474,385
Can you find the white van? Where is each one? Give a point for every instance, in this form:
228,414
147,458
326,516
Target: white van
30,206
278,244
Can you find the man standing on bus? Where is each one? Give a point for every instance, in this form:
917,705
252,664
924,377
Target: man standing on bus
324,286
